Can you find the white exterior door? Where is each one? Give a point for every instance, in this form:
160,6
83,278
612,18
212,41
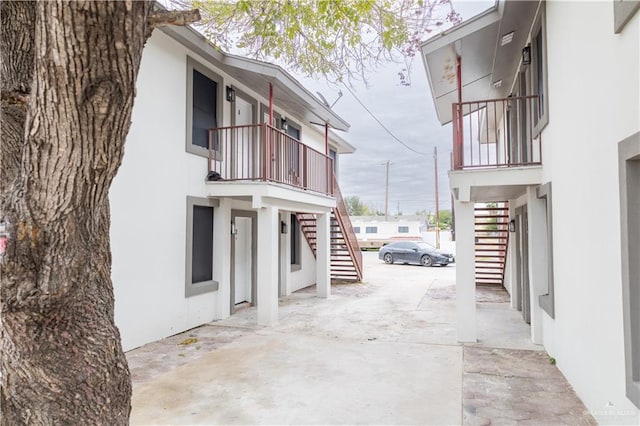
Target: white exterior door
243,260
243,149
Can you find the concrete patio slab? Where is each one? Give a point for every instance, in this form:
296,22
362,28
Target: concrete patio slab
380,352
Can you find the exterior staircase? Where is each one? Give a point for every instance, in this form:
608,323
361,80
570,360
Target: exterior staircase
492,237
346,257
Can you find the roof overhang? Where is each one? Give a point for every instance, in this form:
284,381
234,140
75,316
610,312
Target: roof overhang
289,94
483,57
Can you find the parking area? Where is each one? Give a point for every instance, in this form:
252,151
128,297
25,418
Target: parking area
380,352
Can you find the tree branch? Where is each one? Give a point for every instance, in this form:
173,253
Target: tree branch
162,18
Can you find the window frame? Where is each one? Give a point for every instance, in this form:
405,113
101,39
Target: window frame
623,11
540,27
403,229
547,301
367,230
192,65
190,288
629,175
356,229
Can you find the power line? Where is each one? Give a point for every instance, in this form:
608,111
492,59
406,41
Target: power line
380,123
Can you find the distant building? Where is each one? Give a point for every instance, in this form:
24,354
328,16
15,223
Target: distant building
374,231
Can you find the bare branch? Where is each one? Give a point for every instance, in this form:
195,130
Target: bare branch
162,18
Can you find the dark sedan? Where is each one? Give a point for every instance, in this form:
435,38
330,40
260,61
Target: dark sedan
414,252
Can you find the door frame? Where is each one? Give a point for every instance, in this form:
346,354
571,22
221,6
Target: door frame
254,258
522,263
254,120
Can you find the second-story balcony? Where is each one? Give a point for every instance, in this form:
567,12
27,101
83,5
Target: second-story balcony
496,133
262,153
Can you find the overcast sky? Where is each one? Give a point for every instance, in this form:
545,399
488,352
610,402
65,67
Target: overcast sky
410,114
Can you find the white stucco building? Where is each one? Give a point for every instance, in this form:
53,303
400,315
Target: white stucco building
543,101
186,249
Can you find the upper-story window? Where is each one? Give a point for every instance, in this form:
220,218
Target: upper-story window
204,109
539,70
356,229
371,229
403,229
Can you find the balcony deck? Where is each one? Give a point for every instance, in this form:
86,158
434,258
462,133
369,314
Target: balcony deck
496,151
260,153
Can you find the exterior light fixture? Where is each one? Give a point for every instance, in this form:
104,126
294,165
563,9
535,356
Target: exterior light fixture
283,227
284,126
234,230
231,94
526,55
507,38
512,225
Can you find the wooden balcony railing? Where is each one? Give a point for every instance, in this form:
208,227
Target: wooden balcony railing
260,152
496,133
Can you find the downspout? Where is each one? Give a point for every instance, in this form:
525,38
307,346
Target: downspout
269,156
326,152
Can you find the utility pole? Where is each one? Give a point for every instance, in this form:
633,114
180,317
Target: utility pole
435,161
386,196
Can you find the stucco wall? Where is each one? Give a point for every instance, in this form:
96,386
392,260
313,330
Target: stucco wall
148,206
593,98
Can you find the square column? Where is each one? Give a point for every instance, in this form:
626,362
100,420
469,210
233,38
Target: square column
465,272
267,276
323,255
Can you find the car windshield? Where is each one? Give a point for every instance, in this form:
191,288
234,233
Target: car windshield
424,245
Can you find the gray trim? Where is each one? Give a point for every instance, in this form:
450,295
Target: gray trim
248,70
623,11
547,301
629,174
254,258
540,24
297,232
192,64
522,261
191,289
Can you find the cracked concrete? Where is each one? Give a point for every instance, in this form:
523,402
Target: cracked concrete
380,352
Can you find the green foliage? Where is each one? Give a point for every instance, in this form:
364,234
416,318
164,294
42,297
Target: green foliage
333,39
357,208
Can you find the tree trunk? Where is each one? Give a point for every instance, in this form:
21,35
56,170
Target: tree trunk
68,83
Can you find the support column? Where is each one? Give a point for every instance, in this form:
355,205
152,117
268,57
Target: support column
465,272
267,276
538,269
323,273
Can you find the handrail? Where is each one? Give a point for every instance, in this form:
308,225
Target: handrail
496,133
342,216
260,152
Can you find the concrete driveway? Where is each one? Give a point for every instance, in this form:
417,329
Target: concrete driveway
380,352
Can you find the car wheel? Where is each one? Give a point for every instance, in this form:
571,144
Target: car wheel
388,258
426,261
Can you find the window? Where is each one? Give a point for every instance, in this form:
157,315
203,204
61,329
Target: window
295,243
333,154
547,301
539,70
204,91
629,171
356,229
371,230
403,229
199,262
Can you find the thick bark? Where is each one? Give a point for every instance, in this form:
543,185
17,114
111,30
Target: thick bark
67,95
